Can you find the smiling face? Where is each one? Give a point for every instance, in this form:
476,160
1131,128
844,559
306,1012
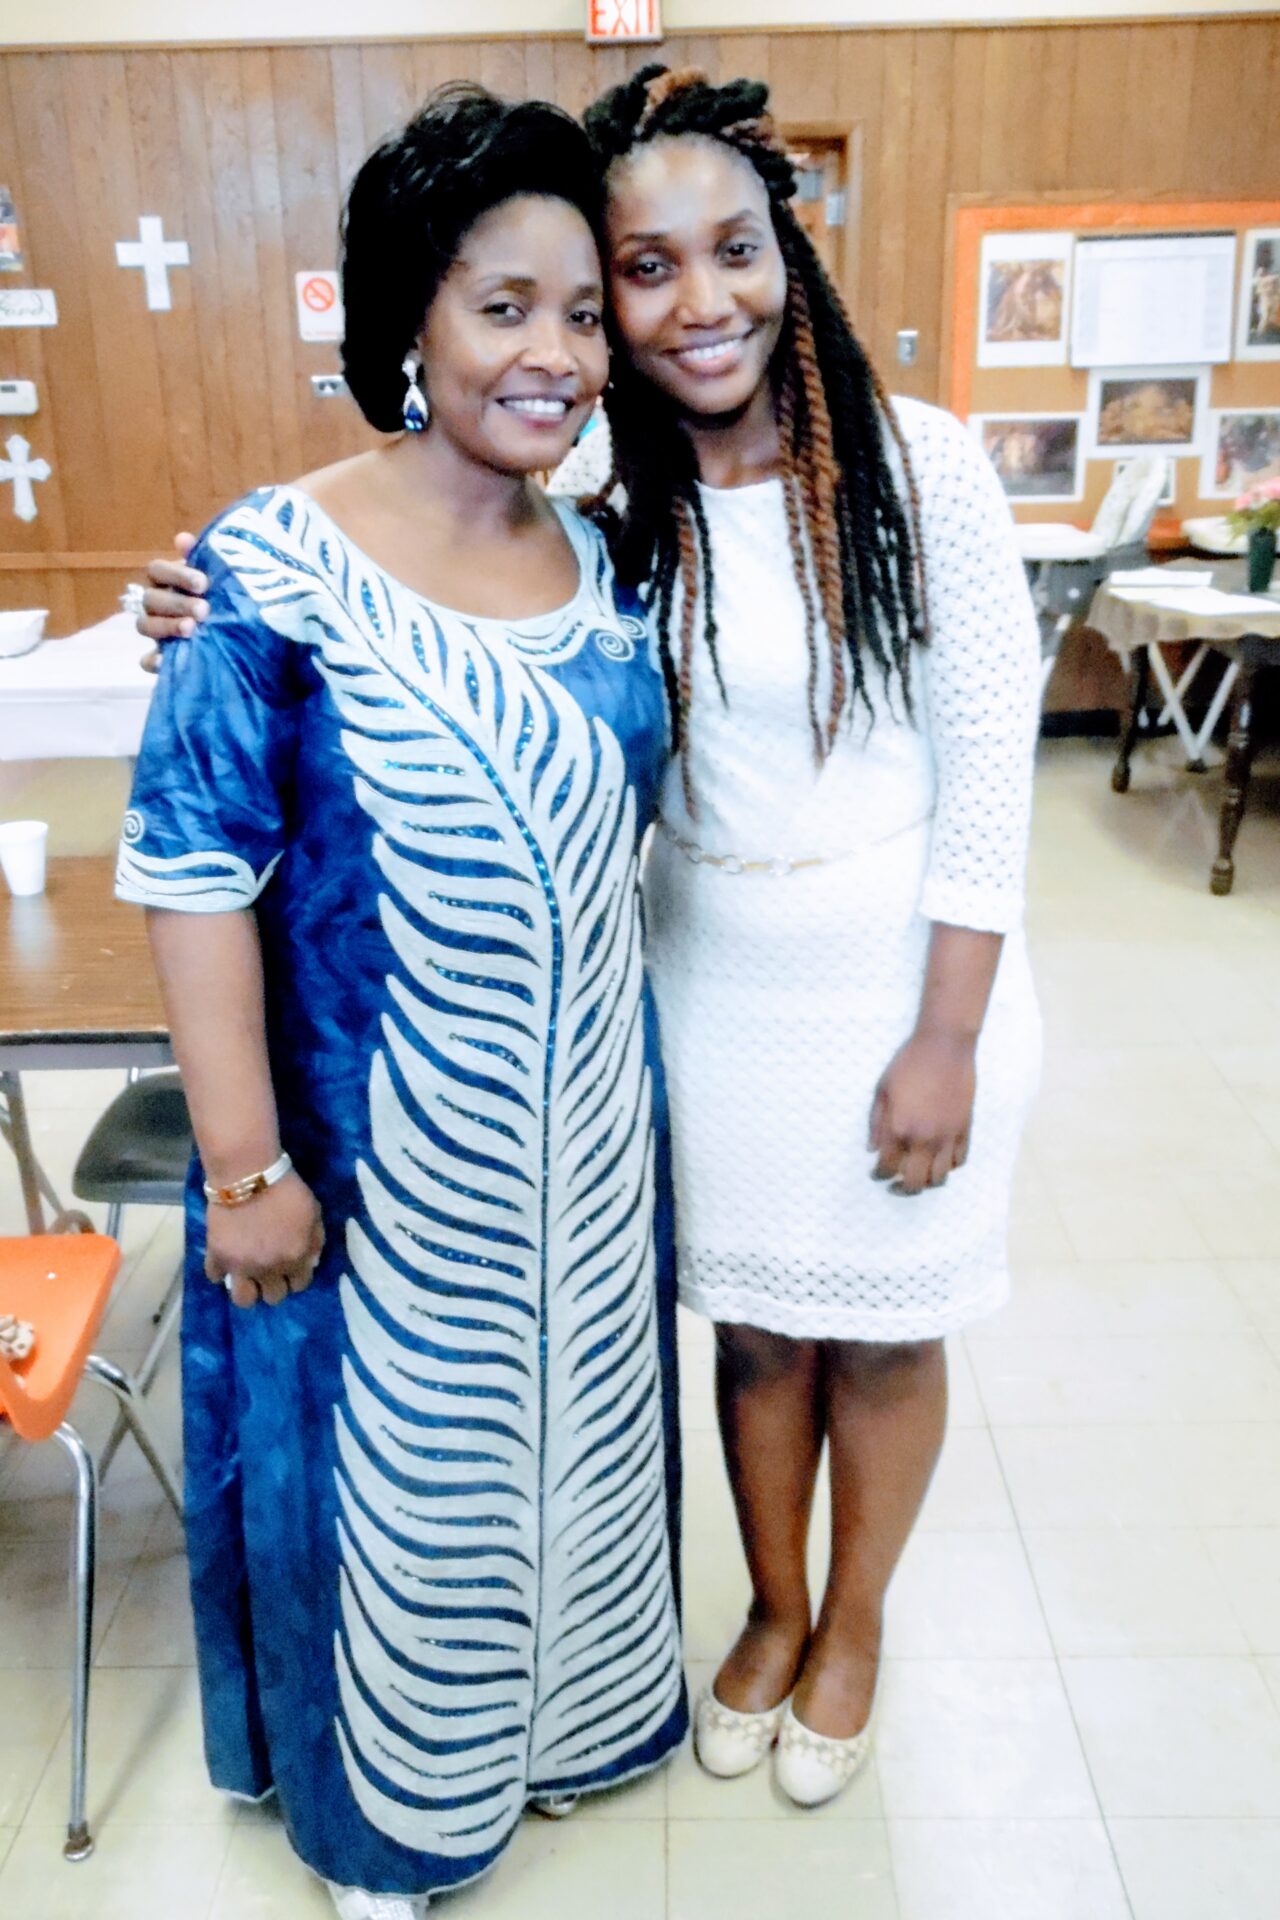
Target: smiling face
513,350
698,281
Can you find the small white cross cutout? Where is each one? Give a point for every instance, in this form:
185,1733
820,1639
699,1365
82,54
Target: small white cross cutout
22,470
155,255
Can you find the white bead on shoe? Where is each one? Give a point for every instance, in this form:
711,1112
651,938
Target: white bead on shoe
728,1743
353,1903
811,1768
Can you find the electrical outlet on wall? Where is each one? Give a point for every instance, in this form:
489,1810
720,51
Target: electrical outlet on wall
908,346
18,396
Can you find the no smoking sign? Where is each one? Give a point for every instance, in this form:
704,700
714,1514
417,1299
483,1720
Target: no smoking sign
319,304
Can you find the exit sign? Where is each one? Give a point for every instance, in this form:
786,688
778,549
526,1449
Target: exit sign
612,20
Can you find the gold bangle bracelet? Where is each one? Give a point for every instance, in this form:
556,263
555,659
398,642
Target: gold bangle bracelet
238,1193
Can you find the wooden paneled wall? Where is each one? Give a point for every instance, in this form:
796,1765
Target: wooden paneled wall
151,420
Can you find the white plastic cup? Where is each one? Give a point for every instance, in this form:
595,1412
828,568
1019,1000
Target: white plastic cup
24,845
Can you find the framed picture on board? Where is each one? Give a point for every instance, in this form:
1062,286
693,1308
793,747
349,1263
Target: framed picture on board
1243,451
1258,334
1147,410
1152,300
1025,297
1038,456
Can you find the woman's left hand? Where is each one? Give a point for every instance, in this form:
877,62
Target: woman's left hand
923,1109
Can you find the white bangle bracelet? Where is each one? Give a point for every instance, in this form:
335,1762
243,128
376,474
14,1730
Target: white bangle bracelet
239,1192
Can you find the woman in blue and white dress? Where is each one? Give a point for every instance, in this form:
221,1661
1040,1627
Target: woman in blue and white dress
390,850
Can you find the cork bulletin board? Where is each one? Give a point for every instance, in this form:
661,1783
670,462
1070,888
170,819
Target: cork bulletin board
1072,423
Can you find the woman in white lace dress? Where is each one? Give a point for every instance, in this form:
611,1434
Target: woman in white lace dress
835,890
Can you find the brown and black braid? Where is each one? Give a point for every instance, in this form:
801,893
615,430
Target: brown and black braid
854,545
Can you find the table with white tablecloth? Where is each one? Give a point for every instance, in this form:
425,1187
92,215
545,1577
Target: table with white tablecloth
1218,621
82,698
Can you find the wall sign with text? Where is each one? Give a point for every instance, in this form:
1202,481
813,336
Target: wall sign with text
609,21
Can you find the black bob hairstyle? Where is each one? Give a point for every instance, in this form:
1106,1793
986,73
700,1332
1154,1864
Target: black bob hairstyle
412,203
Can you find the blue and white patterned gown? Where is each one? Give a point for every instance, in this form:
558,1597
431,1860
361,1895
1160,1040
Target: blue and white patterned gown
431,1501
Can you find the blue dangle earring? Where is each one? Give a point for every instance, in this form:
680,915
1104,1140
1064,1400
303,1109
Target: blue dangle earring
414,406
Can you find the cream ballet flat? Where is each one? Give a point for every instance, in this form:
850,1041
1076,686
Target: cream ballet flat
810,1768
353,1903
728,1743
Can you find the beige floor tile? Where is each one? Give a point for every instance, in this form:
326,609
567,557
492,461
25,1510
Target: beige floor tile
1133,1123
1173,1069
146,1760
1256,1284
263,1879
1162,1379
716,1588
1269,1666
695,1795
1200,1869
1139,1214
984,1869
34,1606
33,1707
1229,1474
979,1739
1093,1476
968,1492
697,1372
1247,1067
155,1870
966,1596
964,1402
1178,1738
138,1293
1235,1212
1248,1564
724,1870
1036,1231
1115,1297
554,1869
642,1799
152,1626
1136,1591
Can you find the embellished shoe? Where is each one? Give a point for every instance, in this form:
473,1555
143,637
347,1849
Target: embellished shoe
728,1743
811,1768
554,1806
353,1903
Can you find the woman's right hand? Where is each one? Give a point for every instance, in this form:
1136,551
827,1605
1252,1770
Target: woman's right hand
268,1248
173,608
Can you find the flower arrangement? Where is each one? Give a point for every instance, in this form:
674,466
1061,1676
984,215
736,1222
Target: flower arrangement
1257,507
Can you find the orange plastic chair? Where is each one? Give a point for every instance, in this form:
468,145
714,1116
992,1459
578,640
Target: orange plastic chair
60,1283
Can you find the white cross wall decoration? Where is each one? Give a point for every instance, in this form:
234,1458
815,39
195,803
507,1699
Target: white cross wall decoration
155,255
22,470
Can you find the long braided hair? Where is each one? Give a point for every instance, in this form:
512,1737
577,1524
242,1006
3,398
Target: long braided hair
854,546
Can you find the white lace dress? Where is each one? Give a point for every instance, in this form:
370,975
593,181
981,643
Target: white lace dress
783,995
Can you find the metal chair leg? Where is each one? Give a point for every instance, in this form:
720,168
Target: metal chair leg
165,1320
172,1293
129,1401
84,1546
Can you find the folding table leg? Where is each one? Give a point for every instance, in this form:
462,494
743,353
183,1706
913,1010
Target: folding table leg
35,1182
1239,766
1139,680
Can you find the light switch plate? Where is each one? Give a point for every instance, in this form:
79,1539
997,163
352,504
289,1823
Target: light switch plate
18,396
908,346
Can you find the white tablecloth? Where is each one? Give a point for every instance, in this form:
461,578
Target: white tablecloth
85,697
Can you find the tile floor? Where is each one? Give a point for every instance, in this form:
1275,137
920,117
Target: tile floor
1081,1708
